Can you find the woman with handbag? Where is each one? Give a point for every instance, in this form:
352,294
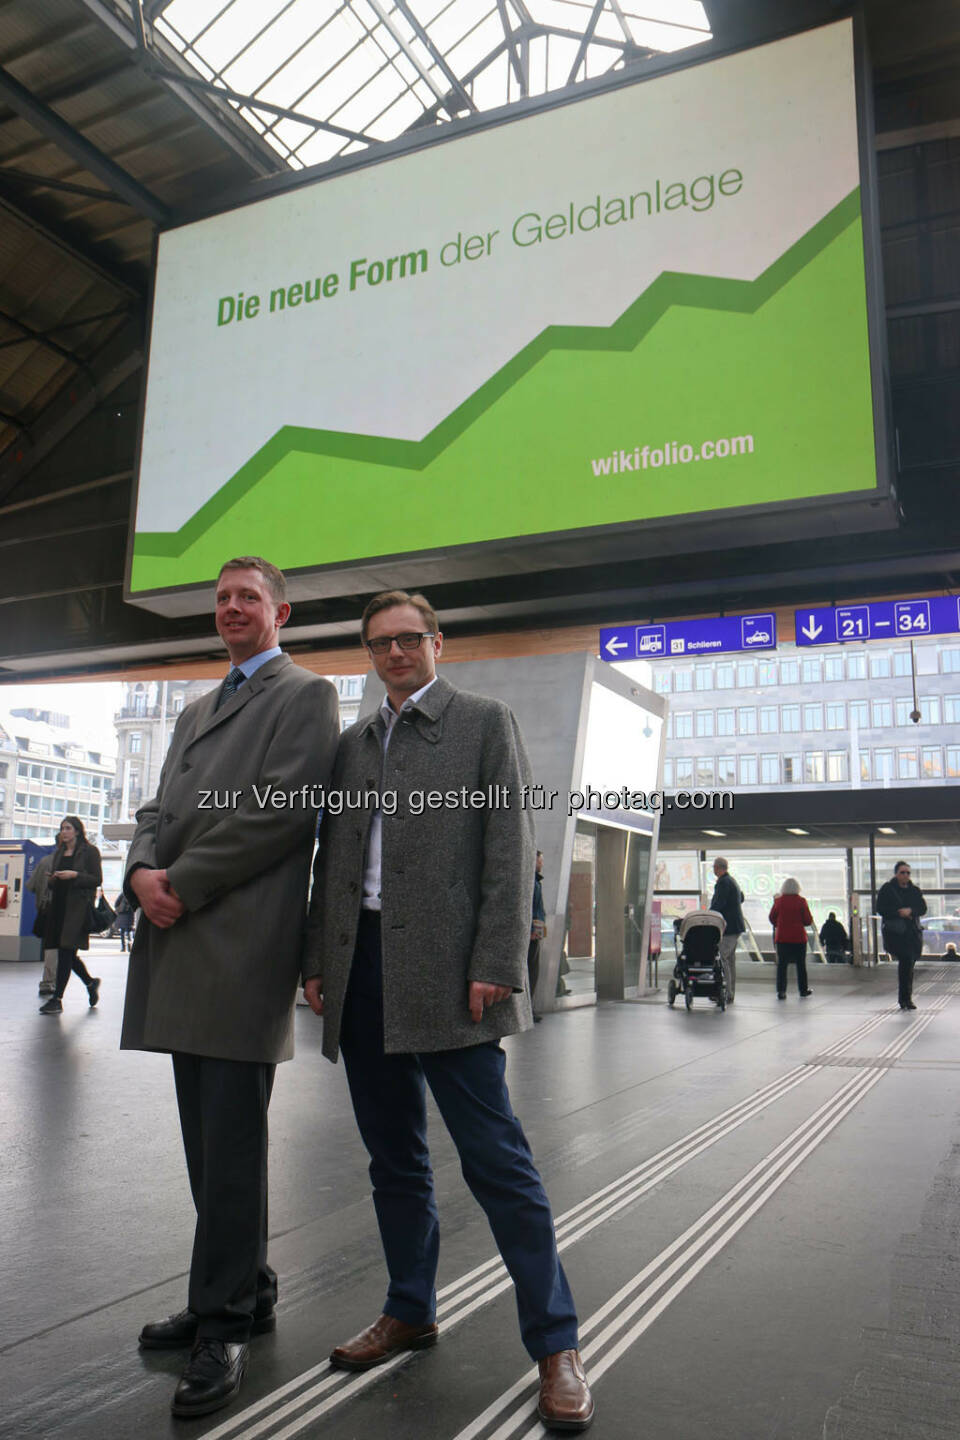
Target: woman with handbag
75,877
790,917
900,904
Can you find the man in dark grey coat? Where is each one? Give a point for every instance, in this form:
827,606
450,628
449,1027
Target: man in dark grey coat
727,900
416,957
220,864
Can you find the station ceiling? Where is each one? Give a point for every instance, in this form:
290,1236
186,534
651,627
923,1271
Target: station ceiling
901,818
118,117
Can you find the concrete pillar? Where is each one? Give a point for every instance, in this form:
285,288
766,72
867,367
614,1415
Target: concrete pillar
611,857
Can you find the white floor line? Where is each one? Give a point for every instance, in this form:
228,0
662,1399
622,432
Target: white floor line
476,1289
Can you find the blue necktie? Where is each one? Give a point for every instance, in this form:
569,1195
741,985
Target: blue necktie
230,686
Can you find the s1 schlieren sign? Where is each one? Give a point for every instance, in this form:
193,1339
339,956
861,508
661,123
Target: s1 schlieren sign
689,637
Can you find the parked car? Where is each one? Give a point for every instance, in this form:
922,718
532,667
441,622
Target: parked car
939,931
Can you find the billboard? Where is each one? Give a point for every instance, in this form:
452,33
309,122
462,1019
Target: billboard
641,307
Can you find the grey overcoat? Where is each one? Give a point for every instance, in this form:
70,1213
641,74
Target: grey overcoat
456,880
222,980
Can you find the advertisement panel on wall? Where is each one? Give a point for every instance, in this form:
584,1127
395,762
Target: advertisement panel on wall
641,307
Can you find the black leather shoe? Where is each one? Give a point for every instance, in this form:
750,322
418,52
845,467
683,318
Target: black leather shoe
179,1331
52,1007
93,990
211,1379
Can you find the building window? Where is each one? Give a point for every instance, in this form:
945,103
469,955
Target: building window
813,767
882,714
901,709
789,672
682,680
931,762
747,718
813,717
769,720
661,682
770,769
727,770
704,771
879,666
859,715
857,666
907,764
901,662
791,770
837,767
704,724
836,715
683,724
953,761
950,661
747,673
883,764
767,672
930,710
684,774
724,677
135,742
790,718
20,800
668,774
864,764
810,669
726,722
176,702
951,709
748,769
704,674
833,667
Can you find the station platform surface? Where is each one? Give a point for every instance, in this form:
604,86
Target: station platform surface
758,1210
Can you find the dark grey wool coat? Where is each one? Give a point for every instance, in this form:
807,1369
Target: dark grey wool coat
456,881
222,980
75,930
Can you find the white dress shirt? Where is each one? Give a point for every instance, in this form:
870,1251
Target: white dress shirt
371,870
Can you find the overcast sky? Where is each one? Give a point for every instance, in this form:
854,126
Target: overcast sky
91,707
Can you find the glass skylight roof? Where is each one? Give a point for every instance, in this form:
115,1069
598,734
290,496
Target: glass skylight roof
340,75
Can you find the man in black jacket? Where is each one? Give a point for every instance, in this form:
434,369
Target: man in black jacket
727,899
834,939
900,904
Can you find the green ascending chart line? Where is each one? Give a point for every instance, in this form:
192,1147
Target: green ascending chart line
670,289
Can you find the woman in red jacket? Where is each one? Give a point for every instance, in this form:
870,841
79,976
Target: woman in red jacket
790,916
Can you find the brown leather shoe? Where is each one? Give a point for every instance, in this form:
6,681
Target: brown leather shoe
565,1401
381,1340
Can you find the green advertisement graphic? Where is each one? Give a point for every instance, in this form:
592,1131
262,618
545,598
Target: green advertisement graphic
546,443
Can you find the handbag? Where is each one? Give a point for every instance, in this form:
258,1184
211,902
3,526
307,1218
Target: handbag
100,916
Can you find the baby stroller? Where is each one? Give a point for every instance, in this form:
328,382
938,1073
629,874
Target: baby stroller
699,970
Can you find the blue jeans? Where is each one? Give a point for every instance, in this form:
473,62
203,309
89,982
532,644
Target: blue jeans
469,1086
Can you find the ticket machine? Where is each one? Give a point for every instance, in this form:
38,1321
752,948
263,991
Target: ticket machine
18,908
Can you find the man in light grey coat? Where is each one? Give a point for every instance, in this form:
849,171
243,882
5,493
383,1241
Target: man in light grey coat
416,958
220,864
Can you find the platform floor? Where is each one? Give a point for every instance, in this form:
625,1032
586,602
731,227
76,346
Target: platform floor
759,1212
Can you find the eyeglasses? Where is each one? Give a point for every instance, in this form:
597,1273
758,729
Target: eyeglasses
409,640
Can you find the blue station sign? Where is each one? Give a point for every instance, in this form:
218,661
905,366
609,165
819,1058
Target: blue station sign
689,637
880,620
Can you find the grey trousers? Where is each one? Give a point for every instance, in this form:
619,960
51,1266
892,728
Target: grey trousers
728,959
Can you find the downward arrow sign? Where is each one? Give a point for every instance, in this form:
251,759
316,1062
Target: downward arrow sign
811,629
